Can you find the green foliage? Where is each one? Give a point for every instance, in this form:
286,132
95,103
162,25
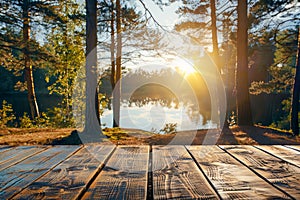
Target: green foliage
283,69
281,74
169,128
115,133
284,120
25,121
43,121
60,117
103,102
67,45
39,122
232,119
7,116
264,12
281,81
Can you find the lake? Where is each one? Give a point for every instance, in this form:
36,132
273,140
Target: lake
152,100
153,116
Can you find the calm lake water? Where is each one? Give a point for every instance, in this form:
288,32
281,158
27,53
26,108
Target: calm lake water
153,117
150,100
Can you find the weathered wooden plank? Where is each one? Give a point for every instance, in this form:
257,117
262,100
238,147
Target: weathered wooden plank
296,147
5,148
17,177
124,176
18,154
232,179
280,173
176,175
282,152
68,179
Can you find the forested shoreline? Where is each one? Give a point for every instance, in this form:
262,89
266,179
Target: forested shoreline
43,47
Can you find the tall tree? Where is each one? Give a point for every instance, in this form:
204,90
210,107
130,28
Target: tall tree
92,122
121,21
280,77
67,44
25,17
244,115
34,109
117,89
214,32
296,93
112,45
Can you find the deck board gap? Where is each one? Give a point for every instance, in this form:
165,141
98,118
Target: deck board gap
6,148
71,154
89,183
150,176
276,156
200,168
2,165
259,175
292,147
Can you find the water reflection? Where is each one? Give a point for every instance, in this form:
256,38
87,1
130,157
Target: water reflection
152,106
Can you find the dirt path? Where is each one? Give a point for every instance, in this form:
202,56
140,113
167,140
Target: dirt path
235,135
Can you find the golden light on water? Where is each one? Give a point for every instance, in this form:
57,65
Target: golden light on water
183,66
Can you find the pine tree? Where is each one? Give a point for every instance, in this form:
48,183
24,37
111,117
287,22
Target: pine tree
92,129
244,115
121,21
296,93
27,50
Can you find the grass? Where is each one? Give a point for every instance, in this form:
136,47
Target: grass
115,133
122,136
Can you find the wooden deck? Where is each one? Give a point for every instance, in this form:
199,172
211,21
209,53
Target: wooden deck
150,172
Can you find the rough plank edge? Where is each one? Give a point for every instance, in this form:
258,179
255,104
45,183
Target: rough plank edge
4,148
82,192
276,156
293,147
86,195
255,172
203,173
71,154
28,156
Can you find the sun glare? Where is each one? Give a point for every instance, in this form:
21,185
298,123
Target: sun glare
183,66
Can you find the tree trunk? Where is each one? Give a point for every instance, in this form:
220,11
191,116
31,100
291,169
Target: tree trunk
113,62
34,110
92,121
244,115
216,59
214,32
117,90
296,92
112,47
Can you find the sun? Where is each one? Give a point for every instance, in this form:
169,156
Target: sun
183,66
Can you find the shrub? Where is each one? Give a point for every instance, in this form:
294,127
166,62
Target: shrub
169,128
60,117
7,116
26,122
39,122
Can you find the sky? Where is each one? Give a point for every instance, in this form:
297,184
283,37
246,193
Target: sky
166,17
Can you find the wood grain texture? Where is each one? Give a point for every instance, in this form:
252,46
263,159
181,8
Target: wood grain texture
17,177
68,179
296,147
280,173
124,176
284,153
176,176
232,179
18,154
5,148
